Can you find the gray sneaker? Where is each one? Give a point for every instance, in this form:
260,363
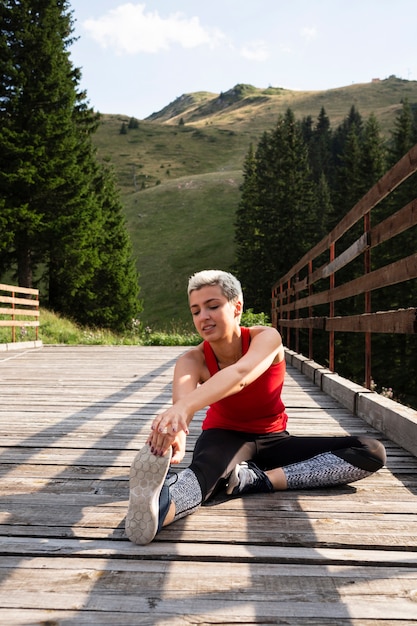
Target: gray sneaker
147,477
246,477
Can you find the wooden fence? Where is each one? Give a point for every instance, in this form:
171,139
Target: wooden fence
19,308
305,286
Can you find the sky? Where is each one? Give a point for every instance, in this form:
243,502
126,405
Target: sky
137,57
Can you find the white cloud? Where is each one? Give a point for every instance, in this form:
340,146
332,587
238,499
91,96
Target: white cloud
309,34
285,49
129,29
255,51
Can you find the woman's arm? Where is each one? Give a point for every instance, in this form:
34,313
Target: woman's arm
264,347
190,397
188,372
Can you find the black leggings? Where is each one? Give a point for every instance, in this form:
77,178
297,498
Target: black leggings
217,451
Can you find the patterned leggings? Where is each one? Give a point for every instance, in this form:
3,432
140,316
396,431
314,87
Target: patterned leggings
217,451
307,462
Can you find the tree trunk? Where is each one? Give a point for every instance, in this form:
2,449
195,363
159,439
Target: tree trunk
24,267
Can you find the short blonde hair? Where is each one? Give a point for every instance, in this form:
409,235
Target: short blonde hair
229,284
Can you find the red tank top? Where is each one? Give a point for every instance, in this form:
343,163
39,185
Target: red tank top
257,408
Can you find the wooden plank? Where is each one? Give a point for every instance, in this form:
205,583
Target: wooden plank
395,224
105,520
21,301
399,321
89,618
18,323
22,547
86,583
16,289
297,286
318,323
352,252
12,311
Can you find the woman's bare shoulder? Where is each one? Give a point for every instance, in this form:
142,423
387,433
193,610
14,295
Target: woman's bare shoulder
193,361
194,354
269,330
273,339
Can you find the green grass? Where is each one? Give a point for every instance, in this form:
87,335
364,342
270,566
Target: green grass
178,228
156,153
55,329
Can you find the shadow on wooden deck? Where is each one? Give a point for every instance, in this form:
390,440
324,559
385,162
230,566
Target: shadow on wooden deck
71,420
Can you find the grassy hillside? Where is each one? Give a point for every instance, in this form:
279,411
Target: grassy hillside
180,189
179,174
177,228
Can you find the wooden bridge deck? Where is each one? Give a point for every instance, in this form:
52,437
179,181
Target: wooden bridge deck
71,420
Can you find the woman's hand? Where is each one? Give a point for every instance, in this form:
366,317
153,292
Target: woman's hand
171,421
160,443
169,429
178,448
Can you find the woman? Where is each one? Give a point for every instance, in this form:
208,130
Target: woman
244,445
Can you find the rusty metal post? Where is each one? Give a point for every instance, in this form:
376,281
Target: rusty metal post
288,314
13,317
310,312
331,310
297,315
368,305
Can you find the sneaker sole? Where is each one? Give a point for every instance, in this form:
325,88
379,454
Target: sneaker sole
147,475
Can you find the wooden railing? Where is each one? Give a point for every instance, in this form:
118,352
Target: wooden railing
19,308
309,284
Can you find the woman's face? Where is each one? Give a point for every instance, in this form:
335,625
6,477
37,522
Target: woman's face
213,314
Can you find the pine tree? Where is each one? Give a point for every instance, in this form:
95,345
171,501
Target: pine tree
373,158
37,85
133,123
404,136
320,149
48,170
247,243
283,203
111,299
323,210
353,119
307,129
291,196
349,173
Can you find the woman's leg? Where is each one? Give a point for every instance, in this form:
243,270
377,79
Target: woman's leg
335,467
307,462
158,497
215,454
